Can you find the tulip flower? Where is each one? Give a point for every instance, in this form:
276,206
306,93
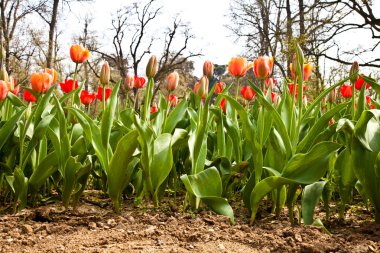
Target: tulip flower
238,67
307,70
223,105
41,82
153,109
129,82
354,72
53,73
202,89
196,86
270,82
4,74
3,90
139,82
273,96
86,97
67,85
331,121
291,89
247,93
79,54
172,81
151,67
29,96
369,102
346,91
173,99
332,96
208,69
360,82
105,74
11,86
99,95
219,87
263,66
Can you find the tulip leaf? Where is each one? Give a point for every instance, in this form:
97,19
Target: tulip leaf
344,175
311,195
8,128
175,116
44,170
207,185
119,170
15,100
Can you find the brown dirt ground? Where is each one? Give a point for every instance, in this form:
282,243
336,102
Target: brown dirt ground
92,228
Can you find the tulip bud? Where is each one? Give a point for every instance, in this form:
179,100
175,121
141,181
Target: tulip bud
129,82
354,72
202,87
151,68
4,74
332,96
208,69
172,81
105,74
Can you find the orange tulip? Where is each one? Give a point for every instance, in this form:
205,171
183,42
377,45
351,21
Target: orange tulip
223,104
238,67
172,81
219,87
208,69
3,90
129,81
41,82
307,70
53,73
79,54
263,67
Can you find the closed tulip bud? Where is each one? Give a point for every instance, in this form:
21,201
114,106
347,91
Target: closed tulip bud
208,69
202,87
4,74
247,93
354,72
263,67
172,81
151,68
3,90
129,82
219,87
332,96
300,54
105,74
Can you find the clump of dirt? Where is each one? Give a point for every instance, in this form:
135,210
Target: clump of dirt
92,228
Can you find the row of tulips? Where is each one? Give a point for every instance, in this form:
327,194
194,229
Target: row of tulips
275,145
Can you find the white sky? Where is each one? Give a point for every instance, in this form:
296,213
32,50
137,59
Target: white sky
206,18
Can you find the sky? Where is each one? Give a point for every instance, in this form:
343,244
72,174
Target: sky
207,20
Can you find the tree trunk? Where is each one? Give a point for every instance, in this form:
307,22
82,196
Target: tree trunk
289,33
52,26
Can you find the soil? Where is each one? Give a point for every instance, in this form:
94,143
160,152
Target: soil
94,227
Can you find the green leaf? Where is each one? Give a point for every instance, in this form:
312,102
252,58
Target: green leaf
119,173
69,179
15,100
207,185
8,128
45,169
344,175
310,198
175,116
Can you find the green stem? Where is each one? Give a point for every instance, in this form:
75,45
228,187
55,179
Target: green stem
353,101
237,89
22,137
104,98
262,118
73,86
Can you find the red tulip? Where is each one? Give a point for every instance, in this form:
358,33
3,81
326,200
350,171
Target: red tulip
369,102
263,66
41,82
238,67
219,87
346,91
86,97
29,96
173,99
196,86
79,54
67,86
153,109
247,93
272,95
223,104
99,95
360,82
3,90
139,82
291,88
